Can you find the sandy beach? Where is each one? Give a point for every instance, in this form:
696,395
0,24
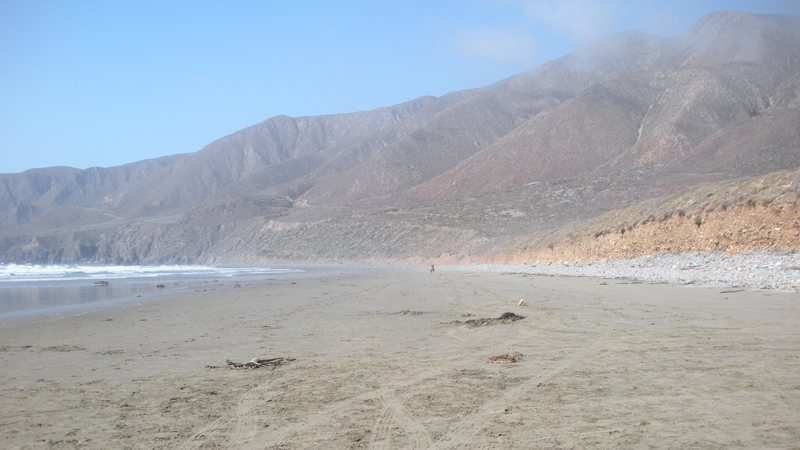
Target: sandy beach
377,362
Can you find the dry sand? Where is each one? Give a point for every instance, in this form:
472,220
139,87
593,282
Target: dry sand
378,365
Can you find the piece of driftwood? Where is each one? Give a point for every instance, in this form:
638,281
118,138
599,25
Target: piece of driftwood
506,317
255,363
504,358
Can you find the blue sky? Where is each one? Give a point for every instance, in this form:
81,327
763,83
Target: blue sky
103,83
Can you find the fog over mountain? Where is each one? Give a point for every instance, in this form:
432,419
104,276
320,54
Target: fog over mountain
626,119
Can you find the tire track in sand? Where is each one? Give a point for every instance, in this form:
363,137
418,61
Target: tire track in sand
394,413
248,429
247,426
464,432
392,407
283,435
245,404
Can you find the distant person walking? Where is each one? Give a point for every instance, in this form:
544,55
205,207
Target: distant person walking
432,269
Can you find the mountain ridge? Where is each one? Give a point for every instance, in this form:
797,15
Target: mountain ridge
625,119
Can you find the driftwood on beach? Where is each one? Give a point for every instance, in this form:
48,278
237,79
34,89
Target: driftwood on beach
504,358
506,317
255,363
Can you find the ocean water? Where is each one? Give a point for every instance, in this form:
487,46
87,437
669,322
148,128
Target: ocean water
32,288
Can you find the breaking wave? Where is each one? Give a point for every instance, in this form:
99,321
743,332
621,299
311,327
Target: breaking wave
56,272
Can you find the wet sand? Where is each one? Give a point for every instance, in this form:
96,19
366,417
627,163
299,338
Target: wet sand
377,364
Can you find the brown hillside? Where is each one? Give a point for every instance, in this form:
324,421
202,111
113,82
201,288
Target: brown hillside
708,103
633,133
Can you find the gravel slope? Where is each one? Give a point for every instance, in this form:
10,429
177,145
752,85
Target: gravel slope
750,269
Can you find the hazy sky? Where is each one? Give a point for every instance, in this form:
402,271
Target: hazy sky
103,83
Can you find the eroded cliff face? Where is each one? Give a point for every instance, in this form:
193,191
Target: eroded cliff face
755,213
732,230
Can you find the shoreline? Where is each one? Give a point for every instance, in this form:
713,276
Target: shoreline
772,270
377,361
118,291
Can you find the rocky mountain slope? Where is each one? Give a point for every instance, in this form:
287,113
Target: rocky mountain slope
633,118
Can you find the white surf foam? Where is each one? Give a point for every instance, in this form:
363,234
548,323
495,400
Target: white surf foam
55,272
